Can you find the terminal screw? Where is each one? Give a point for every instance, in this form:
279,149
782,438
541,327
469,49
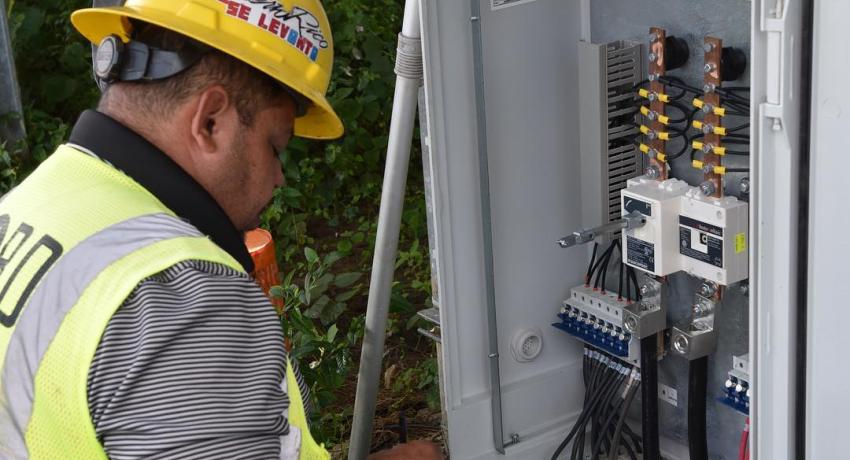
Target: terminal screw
653,172
745,185
708,47
708,188
653,37
652,57
708,88
709,67
707,289
681,344
631,324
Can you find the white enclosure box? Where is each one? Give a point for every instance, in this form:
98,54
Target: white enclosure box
713,237
653,247
531,111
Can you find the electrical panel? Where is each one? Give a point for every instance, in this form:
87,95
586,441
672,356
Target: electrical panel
638,129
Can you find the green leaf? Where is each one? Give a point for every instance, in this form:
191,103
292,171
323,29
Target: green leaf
311,255
331,335
347,279
277,292
317,309
344,246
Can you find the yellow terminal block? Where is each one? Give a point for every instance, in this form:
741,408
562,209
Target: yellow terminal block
697,164
697,124
661,157
644,129
663,97
719,130
644,148
719,151
644,110
697,145
720,111
720,170
664,119
643,93
664,136
698,103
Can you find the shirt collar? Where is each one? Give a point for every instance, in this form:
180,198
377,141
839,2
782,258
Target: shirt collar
130,153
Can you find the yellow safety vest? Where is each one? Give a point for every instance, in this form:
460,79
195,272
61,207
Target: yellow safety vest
75,239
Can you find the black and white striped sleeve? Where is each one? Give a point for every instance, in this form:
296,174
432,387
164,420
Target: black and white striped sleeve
192,365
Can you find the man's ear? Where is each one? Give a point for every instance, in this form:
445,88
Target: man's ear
210,118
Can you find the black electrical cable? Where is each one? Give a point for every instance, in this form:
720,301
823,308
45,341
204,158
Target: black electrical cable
618,429
620,408
697,383
740,127
649,397
603,270
590,265
620,283
599,262
679,83
594,401
631,272
737,170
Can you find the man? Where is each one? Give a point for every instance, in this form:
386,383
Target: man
129,324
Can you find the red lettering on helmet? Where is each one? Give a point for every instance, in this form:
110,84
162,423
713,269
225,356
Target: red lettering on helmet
233,8
262,23
302,44
284,30
244,12
274,26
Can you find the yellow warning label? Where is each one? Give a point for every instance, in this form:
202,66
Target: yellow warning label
740,243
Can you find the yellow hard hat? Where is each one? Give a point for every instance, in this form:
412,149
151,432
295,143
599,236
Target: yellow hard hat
289,40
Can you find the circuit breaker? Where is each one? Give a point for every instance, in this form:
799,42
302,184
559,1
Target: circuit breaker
713,235
648,248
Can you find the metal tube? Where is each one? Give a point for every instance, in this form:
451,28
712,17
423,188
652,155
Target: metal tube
487,230
386,246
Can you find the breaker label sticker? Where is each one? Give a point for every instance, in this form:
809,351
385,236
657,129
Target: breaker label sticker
499,4
740,243
699,240
640,253
633,204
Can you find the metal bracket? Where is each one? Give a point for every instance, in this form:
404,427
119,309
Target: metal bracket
649,315
698,337
629,222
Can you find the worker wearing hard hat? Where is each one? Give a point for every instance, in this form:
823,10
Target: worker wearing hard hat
129,326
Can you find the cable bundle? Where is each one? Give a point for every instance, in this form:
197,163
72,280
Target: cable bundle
599,268
610,389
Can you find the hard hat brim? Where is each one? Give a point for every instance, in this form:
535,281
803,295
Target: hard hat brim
320,121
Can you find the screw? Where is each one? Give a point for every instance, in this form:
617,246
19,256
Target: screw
745,185
707,289
708,47
707,108
681,344
652,57
648,290
745,288
514,438
651,135
708,88
707,169
653,77
652,172
651,116
708,188
653,37
630,324
709,67
652,97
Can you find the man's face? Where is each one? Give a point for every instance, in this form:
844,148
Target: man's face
253,169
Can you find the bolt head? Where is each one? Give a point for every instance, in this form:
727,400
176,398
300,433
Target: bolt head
653,37
707,188
630,324
706,129
681,344
707,169
652,97
706,148
708,68
745,185
652,77
652,172
652,57
706,108
708,47
708,88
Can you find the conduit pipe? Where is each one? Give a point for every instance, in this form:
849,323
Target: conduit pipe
408,80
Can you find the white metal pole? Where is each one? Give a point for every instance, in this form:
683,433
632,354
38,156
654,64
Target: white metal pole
408,81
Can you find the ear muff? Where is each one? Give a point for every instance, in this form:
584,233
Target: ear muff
106,62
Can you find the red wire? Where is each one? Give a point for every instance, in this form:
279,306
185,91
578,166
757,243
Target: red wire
744,448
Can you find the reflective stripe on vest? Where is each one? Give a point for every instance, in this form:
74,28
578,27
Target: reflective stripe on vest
95,235
56,295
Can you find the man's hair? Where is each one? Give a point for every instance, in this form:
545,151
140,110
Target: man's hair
250,90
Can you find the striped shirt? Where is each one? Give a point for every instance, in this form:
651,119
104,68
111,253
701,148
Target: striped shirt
192,365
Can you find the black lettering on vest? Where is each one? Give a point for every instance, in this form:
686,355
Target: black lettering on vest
46,242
